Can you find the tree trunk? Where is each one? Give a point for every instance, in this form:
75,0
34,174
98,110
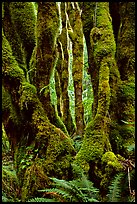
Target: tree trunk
45,57
40,149
76,35
104,133
63,72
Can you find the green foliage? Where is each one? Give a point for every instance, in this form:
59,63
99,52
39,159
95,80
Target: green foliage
114,189
5,141
131,147
41,200
123,185
119,189
71,86
80,190
77,139
53,95
10,185
87,89
27,159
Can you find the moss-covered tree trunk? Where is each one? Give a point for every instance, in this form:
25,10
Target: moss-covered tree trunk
63,71
45,57
40,149
96,139
58,92
88,21
96,149
47,33
76,35
125,57
19,26
113,88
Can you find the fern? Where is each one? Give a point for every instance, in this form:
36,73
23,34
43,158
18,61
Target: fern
131,147
73,191
77,142
9,184
41,200
115,188
58,193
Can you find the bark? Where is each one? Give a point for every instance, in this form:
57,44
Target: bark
45,57
76,35
58,92
87,16
63,72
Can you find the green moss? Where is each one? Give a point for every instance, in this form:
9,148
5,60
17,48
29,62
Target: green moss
127,90
10,65
27,93
102,36
14,39
54,153
24,19
94,144
126,41
34,179
8,108
110,159
111,164
121,136
59,123
2,10
49,11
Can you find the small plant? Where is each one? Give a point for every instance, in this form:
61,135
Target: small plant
41,200
77,139
115,189
10,187
72,191
123,185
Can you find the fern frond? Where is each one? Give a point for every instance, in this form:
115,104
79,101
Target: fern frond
41,200
114,188
72,191
86,186
66,189
5,199
8,171
59,192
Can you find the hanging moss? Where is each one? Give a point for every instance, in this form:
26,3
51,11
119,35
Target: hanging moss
2,10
